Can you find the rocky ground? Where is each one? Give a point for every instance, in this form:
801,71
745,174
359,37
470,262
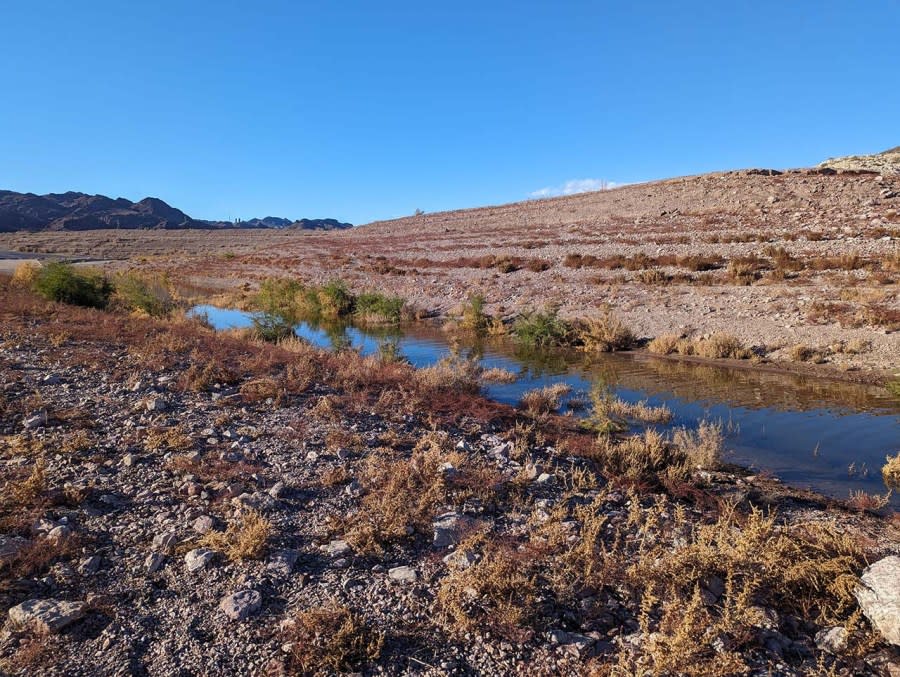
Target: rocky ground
807,258
176,502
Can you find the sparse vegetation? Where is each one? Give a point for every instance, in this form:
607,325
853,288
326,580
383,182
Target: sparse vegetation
246,538
65,283
542,329
603,334
330,640
890,472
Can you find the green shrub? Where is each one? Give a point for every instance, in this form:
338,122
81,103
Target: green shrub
279,296
893,387
64,283
474,318
542,329
271,328
147,295
335,300
375,307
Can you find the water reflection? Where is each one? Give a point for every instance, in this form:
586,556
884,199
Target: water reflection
806,431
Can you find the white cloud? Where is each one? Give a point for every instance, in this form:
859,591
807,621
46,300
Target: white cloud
574,186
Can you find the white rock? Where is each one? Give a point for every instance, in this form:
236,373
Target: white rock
879,597
403,574
198,558
241,604
46,615
833,640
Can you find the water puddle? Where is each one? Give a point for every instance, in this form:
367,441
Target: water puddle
824,435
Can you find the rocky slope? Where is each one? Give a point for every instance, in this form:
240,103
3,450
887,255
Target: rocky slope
887,162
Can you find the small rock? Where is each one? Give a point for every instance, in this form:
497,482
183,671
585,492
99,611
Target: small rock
59,533
165,542
156,405
832,640
282,561
403,574
448,529
461,559
154,561
128,460
90,565
10,547
198,558
204,524
337,548
46,615
33,422
241,604
879,597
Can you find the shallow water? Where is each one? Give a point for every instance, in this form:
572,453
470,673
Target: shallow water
805,431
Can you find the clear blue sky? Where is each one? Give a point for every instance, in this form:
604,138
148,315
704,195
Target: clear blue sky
366,110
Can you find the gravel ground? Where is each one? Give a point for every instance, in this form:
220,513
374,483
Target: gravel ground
137,469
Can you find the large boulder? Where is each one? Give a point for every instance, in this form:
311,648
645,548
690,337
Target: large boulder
46,615
879,597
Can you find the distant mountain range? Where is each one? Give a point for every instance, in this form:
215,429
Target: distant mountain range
79,211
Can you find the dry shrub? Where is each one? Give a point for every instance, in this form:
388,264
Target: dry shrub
809,570
401,496
890,472
703,446
864,501
451,374
804,353
647,458
76,441
500,590
665,344
246,538
262,389
25,274
204,373
167,439
208,469
26,492
604,334
498,375
39,554
722,346
330,640
541,402
638,411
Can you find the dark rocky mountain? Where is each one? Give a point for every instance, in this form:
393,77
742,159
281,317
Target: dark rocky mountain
319,224
79,211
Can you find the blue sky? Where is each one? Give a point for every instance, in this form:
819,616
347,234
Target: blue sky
368,110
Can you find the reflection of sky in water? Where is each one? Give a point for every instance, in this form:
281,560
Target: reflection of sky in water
775,427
